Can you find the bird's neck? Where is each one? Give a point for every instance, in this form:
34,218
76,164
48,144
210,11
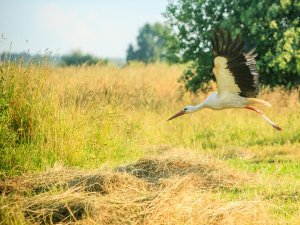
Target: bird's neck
208,102
199,106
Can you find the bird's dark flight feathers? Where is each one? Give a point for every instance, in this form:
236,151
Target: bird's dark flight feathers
240,61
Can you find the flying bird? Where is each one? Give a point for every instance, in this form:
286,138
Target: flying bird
236,76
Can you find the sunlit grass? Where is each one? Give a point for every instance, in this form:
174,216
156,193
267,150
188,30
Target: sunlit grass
104,116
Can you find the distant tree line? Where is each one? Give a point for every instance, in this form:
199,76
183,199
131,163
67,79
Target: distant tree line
26,58
75,58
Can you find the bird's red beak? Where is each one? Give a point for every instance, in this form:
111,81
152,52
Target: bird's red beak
176,115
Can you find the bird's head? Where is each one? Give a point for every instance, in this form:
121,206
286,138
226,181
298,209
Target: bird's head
185,110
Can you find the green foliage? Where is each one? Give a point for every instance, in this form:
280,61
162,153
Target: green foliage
272,25
155,43
77,58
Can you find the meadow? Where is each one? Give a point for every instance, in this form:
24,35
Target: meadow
91,145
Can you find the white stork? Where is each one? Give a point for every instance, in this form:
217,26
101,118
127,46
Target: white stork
236,75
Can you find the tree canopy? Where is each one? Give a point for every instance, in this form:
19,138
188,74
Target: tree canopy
154,43
273,26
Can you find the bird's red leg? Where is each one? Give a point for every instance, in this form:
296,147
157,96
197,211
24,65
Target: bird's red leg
274,125
254,109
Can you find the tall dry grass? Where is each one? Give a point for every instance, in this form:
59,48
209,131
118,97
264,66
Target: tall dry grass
105,114
73,113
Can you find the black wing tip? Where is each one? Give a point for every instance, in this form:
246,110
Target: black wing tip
241,59
225,44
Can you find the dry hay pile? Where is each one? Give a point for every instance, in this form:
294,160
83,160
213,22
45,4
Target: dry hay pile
170,189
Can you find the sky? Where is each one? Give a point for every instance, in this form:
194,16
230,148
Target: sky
103,28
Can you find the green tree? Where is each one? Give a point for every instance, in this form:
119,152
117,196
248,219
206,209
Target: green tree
272,25
131,53
154,43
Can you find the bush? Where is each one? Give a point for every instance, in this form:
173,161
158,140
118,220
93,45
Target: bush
78,58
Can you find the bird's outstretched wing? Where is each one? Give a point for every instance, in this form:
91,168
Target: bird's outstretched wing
234,65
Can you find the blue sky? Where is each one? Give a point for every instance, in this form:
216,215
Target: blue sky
103,28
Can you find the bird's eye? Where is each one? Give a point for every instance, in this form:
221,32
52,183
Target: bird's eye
185,109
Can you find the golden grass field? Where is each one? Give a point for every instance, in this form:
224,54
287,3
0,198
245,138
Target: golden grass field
91,145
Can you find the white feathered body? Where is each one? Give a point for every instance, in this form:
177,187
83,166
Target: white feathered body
224,101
